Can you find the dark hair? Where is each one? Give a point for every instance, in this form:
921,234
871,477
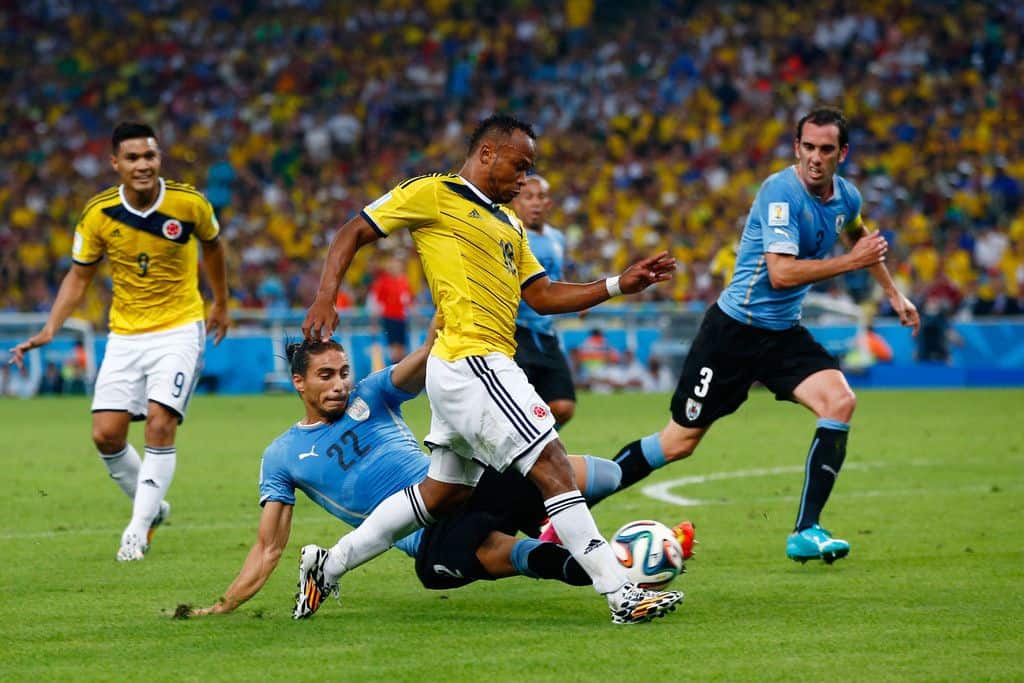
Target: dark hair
823,116
129,130
502,124
298,353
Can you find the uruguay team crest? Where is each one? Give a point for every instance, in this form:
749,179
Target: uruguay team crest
693,409
840,221
358,410
171,229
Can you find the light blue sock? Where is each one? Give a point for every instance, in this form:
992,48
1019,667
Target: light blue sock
651,447
603,478
521,554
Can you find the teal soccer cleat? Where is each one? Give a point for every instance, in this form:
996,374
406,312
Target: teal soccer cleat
815,543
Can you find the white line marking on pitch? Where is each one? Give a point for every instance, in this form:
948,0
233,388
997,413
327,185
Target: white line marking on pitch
663,490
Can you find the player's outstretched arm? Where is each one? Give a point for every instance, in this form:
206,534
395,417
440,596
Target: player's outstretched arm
903,307
275,527
410,373
322,318
551,296
72,291
217,321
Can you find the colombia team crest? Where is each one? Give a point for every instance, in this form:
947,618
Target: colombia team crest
539,411
171,229
358,411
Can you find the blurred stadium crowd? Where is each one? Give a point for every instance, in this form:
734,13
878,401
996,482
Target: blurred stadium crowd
658,119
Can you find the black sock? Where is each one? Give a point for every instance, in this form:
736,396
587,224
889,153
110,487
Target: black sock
551,561
633,463
828,450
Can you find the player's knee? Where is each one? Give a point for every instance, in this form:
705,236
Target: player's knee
160,429
107,440
841,404
563,411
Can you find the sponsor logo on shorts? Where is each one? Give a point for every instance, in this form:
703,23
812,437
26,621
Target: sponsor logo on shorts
539,411
693,409
358,411
443,570
171,229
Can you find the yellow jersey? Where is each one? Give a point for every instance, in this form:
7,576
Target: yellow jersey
475,256
154,262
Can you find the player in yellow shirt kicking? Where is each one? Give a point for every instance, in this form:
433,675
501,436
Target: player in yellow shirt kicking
478,264
148,228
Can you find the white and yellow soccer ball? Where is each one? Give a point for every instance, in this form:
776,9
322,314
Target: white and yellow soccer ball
650,553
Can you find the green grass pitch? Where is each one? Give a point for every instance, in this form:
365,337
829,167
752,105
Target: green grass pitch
931,500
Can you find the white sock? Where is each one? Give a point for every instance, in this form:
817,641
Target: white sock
575,526
396,517
155,478
124,468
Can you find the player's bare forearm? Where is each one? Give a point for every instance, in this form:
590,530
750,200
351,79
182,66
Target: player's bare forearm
550,296
322,318
71,292
214,263
787,271
275,527
351,237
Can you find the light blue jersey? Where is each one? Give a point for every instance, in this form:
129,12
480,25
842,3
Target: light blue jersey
785,219
548,245
349,467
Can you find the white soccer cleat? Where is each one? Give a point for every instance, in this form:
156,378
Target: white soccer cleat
636,605
313,586
161,517
132,549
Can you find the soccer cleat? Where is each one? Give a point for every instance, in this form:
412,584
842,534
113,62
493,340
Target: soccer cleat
132,549
638,605
684,532
548,533
815,543
313,586
161,517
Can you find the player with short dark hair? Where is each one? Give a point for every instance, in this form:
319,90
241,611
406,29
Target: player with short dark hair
753,332
148,228
538,350
352,450
478,264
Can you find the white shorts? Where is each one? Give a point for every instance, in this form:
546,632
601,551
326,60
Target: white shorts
483,412
159,366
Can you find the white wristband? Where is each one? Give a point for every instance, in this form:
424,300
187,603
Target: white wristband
612,284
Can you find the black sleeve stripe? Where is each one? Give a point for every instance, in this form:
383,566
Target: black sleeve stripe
373,223
87,263
101,197
212,240
526,284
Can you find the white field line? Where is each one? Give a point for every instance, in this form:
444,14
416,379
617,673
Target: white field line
663,490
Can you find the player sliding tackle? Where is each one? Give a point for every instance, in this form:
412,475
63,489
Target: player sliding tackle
352,449
478,265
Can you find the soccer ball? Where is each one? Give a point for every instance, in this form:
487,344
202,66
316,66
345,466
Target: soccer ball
650,553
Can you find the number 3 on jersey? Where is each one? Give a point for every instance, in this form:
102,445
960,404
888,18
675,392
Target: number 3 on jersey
700,390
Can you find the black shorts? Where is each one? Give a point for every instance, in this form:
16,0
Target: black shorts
395,331
545,365
727,357
504,502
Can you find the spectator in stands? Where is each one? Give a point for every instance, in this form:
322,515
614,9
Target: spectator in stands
936,333
390,297
592,358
